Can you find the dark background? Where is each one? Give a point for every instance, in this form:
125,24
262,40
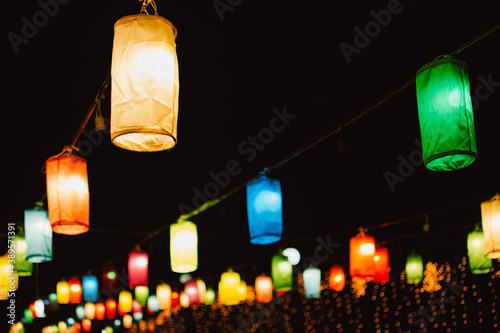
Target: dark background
233,72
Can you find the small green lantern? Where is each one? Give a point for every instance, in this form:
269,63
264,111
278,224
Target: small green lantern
22,265
445,115
414,268
281,273
141,295
478,262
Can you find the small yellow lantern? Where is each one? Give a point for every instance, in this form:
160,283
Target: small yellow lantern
145,84
228,288
62,291
490,216
183,246
163,292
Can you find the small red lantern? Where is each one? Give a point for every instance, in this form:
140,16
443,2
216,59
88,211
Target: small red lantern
75,291
137,269
100,311
362,250
175,299
263,289
381,261
86,324
337,278
191,290
110,309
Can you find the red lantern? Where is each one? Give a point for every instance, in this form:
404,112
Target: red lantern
381,261
362,250
175,299
86,324
77,327
31,307
110,309
137,269
100,311
263,289
75,291
191,289
337,278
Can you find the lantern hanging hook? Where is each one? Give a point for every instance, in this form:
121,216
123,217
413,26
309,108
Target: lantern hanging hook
145,4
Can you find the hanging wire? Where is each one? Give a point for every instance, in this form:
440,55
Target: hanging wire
145,4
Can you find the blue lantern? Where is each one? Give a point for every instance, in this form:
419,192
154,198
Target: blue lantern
312,282
38,234
90,288
264,208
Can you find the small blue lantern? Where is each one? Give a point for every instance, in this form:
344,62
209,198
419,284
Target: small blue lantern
90,288
264,208
312,282
38,235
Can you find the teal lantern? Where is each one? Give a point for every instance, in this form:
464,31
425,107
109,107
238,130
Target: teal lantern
414,268
312,282
264,209
445,115
23,267
38,234
478,262
281,273
90,288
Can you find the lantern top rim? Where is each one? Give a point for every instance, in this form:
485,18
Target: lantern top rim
144,17
443,61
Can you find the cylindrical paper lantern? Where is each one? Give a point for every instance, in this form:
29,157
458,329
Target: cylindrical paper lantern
75,290
86,324
62,291
490,216
89,310
263,289
62,326
145,84
90,288
80,311
53,303
381,261
40,308
312,282
478,262
109,279
141,295
445,115
293,255
153,304
38,234
100,311
174,299
136,307
67,194
281,273
183,247
32,309
191,290
414,268
137,269
110,309
228,284
184,299
202,289
163,292
127,321
337,278
28,316
264,210
210,296
242,291
124,302
22,266
361,252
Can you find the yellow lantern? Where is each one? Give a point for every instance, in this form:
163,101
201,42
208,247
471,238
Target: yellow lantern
184,299
124,302
145,84
490,216
183,246
67,193
62,291
202,289
90,310
163,292
241,290
8,279
228,288
127,321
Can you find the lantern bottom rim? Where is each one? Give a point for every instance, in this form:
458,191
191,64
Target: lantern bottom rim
265,239
450,160
69,227
143,141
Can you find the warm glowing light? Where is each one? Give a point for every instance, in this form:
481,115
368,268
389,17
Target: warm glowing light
293,255
183,247
367,249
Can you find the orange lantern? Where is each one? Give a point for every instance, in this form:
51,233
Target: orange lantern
381,262
67,193
86,324
362,250
75,291
337,278
110,309
263,289
100,311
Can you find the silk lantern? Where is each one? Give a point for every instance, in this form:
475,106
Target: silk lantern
445,115
312,282
183,246
361,252
202,289
28,316
100,311
381,263
145,84
90,288
40,308
174,299
490,216
281,273
414,268
153,304
53,303
89,310
210,296
86,324
191,290
163,292
184,299
110,308
80,311
141,295
127,321
337,278
38,235
242,291
228,288
478,263
62,290
263,289
264,210
67,193
124,302
22,266
75,290
136,307
137,269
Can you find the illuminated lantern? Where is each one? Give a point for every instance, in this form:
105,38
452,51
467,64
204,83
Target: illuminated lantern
174,299
445,115
22,266
89,310
263,289
40,308
109,279
124,302
127,321
8,280
136,307
191,290
184,299
77,327
117,323
153,304
62,291
228,288
90,288
242,290
80,312
293,255
70,321
265,219
137,269
210,296
110,309
53,303
62,326
312,282
381,261
281,273
38,235
86,324
67,193
414,268
478,262
163,293
145,84
28,316
202,289
490,216
75,290
337,278
100,311
361,252
32,309
141,295
183,246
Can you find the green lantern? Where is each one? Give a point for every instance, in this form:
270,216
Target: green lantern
281,273
445,115
478,262
22,265
414,268
141,295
